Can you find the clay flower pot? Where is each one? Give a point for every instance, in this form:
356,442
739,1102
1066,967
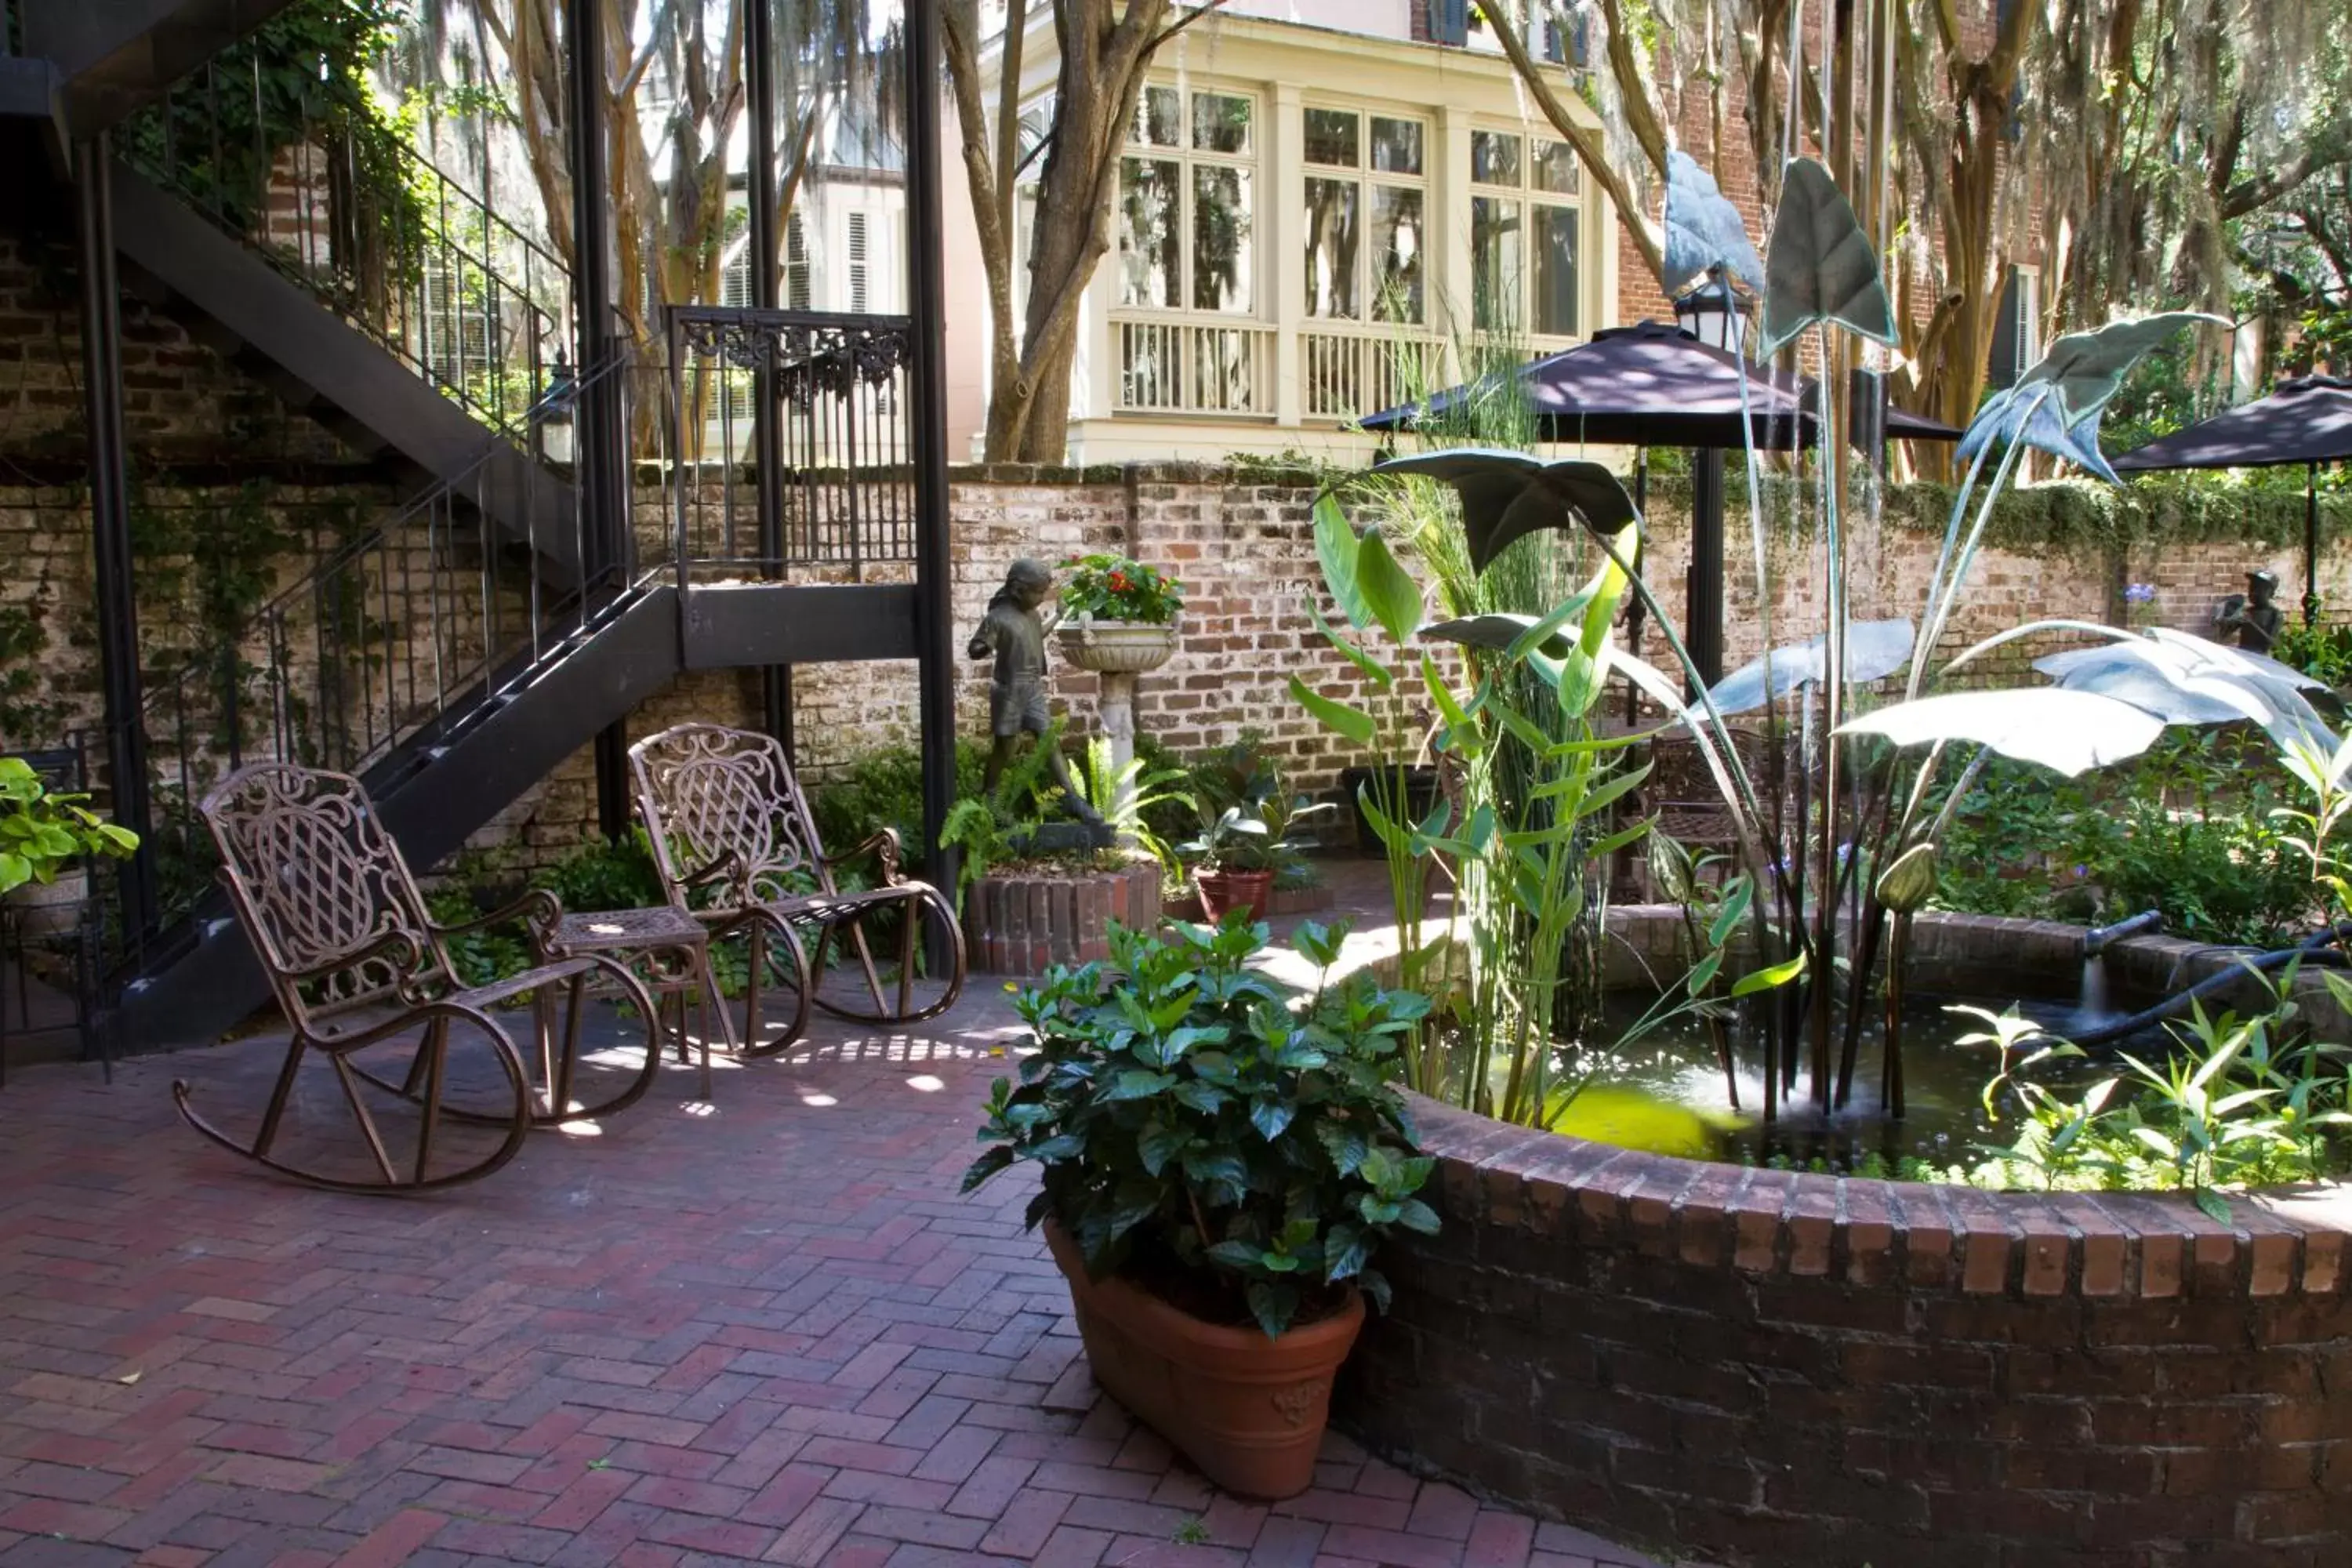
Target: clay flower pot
1248,1410
1223,891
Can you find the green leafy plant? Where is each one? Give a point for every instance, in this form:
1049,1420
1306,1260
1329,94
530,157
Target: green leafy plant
1252,836
1114,588
1198,1131
2322,651
42,832
1125,797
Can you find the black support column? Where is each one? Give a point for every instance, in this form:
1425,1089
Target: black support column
601,425
109,517
927,297
767,433
1702,603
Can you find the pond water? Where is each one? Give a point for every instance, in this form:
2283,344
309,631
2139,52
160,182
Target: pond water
1667,1093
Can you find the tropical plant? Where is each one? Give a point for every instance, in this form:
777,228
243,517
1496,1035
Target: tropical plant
1201,1133
1128,796
2237,1101
1113,588
43,831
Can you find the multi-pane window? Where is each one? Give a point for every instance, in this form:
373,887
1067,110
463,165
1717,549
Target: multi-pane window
1523,234
1366,199
1185,238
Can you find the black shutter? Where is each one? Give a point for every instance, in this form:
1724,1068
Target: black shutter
1449,22
2010,349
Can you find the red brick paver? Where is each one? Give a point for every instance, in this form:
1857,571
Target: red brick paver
759,1328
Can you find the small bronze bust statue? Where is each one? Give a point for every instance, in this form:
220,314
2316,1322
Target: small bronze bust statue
2251,615
1014,634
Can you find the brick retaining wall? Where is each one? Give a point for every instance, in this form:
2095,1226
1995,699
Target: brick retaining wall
1766,1368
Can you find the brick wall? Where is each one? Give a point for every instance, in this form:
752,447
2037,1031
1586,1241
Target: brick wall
182,403
1245,552
1761,1368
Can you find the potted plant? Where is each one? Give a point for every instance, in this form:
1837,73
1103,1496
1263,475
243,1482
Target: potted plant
1242,846
1220,1164
46,839
1119,616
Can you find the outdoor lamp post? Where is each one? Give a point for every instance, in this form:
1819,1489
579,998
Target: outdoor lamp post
1710,313
555,411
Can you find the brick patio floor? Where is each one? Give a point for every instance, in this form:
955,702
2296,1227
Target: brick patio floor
757,1327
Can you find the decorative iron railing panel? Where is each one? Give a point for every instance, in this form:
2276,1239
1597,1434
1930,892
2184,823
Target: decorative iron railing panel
842,492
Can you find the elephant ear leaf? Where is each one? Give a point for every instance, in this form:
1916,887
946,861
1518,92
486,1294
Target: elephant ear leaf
1820,267
1703,229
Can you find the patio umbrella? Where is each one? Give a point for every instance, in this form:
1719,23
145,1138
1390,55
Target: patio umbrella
1656,386
2306,421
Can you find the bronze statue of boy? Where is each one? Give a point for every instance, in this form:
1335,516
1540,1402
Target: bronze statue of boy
1015,632
2252,615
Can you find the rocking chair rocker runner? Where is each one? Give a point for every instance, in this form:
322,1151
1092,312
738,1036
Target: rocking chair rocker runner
356,963
733,839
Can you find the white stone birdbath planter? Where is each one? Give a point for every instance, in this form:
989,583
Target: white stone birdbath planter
1118,651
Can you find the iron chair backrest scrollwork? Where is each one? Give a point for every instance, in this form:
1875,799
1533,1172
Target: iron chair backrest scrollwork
323,891
725,814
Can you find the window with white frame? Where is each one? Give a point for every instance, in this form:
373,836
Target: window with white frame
1186,240
1523,212
1365,197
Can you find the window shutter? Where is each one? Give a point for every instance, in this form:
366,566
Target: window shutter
2012,348
857,273
797,291
1449,22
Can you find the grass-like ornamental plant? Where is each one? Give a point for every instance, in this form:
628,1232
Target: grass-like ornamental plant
1235,1149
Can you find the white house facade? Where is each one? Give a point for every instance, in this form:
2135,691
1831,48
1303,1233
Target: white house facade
1309,218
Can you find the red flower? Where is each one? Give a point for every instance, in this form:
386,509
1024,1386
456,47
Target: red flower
1118,583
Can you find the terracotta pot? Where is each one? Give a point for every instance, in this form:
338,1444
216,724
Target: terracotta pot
1248,1410
1223,891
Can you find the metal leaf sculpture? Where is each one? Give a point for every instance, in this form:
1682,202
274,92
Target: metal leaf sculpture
1499,631
2071,731
2016,414
2185,680
1873,650
1703,229
2085,369
1505,496
1821,266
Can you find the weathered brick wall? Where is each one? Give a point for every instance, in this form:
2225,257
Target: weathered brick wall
1245,552
1764,1369
182,403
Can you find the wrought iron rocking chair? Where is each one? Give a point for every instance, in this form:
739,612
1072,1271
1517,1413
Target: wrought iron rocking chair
327,901
733,840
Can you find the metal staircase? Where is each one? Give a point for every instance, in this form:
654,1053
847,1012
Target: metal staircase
338,266
451,672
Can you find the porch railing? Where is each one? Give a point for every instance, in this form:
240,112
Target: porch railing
1184,365
365,224
1346,371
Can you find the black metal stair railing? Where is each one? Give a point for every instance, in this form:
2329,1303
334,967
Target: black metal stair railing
348,209
383,652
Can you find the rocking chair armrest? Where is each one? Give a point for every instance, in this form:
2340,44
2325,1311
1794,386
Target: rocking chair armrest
399,947
726,863
537,909
887,850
